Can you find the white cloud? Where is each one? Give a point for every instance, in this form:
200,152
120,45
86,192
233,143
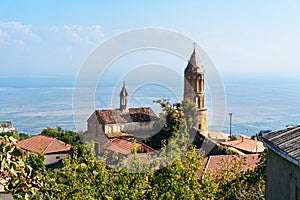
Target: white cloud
15,33
3,36
80,34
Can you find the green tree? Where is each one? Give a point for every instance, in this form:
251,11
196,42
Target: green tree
66,136
17,176
177,122
23,136
190,113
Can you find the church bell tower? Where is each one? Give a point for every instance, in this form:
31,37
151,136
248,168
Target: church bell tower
194,90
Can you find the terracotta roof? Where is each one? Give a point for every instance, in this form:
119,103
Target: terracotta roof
112,116
118,135
246,145
285,142
125,146
43,144
215,135
216,163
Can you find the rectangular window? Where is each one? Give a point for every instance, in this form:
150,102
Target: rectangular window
57,157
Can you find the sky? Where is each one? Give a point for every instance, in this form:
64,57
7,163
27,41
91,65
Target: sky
243,38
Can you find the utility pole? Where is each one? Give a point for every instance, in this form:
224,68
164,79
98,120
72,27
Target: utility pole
230,123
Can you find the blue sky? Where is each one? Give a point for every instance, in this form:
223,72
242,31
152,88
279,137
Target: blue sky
245,38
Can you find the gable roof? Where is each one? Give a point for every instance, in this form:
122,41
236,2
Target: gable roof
246,145
43,144
215,163
285,142
113,116
124,146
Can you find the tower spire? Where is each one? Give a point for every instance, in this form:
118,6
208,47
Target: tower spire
123,98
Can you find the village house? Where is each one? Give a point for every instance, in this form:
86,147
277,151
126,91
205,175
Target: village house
6,126
53,149
283,164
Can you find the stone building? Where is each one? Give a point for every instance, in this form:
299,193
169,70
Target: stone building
283,164
106,124
194,90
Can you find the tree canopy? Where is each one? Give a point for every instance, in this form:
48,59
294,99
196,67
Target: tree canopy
66,136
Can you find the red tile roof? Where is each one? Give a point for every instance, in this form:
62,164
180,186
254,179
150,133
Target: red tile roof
112,116
124,146
43,144
216,163
118,135
246,145
215,135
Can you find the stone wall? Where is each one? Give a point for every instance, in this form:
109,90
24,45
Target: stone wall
202,120
95,133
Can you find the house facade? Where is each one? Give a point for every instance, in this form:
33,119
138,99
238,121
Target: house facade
283,164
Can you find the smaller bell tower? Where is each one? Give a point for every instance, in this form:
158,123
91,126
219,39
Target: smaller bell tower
123,98
194,90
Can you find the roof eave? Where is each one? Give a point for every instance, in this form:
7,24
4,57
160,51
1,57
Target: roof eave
279,151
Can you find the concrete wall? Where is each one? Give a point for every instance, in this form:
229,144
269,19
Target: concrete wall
283,178
50,158
53,158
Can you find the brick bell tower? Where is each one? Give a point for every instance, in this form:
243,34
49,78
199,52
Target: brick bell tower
194,90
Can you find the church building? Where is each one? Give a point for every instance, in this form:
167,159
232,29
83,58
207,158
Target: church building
104,125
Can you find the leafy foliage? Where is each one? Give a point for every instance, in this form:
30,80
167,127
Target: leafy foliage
17,176
66,136
178,120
